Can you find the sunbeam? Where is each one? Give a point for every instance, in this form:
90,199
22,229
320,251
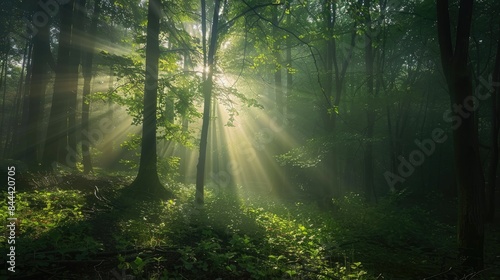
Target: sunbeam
247,145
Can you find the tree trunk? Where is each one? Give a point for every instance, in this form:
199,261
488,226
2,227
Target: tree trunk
289,60
470,179
277,146
41,57
495,129
329,165
87,78
370,113
3,86
147,179
55,150
329,18
185,154
22,104
17,142
214,144
75,59
334,73
278,84
4,131
207,96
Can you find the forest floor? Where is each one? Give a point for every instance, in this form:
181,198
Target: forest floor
84,227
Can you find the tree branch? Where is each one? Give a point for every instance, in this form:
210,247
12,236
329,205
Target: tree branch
311,50
230,22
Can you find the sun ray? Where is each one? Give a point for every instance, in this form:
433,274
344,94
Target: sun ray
251,144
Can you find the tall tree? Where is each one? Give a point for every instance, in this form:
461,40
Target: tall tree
42,58
87,78
19,123
56,140
495,130
147,179
207,97
289,62
470,181
3,89
370,112
74,65
278,84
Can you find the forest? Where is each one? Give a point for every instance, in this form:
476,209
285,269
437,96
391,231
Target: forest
250,139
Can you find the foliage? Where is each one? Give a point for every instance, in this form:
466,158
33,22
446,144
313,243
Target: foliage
320,145
50,228
236,238
306,156
237,235
41,211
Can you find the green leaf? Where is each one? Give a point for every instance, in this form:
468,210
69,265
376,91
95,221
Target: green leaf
138,261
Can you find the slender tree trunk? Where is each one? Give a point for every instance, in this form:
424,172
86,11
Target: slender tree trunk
289,84
87,79
334,80
329,19
330,164
207,95
467,159
11,123
277,146
184,160
15,125
22,129
185,154
370,113
204,36
109,145
278,84
75,59
3,86
392,146
17,141
340,70
289,61
214,144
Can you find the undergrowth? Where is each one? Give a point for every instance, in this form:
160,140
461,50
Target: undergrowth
68,234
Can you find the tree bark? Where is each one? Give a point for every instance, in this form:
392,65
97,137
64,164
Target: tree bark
278,83
3,86
495,129
289,60
74,65
469,178
207,96
22,104
55,150
277,146
18,138
185,154
87,79
41,57
147,180
370,113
